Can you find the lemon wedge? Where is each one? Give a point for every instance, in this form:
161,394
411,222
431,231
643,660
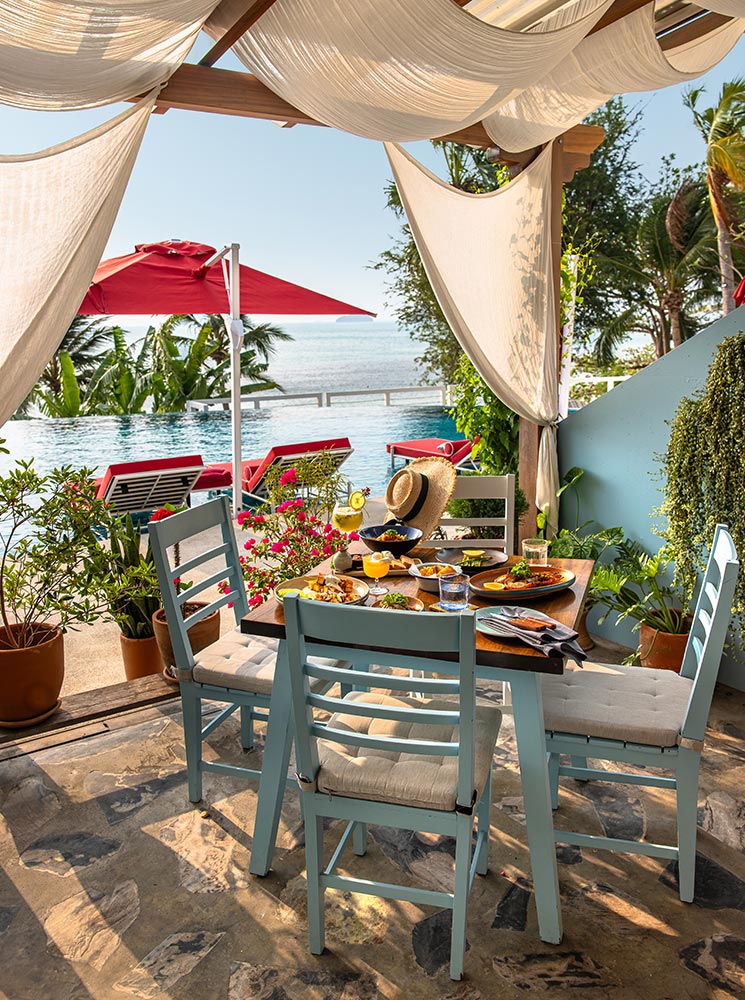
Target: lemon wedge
493,585
473,553
357,500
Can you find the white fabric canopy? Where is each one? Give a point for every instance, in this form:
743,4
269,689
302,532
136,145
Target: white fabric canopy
397,70
599,68
489,261
731,8
57,208
57,56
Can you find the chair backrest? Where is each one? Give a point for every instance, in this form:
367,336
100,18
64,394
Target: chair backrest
354,634
711,619
287,454
502,527
134,487
176,529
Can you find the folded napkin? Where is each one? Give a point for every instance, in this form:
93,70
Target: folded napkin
550,637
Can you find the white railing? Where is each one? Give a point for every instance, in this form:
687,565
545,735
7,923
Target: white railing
443,393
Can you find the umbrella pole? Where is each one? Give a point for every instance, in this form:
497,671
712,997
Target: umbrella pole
236,343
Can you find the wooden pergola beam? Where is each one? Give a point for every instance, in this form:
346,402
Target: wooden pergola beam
244,23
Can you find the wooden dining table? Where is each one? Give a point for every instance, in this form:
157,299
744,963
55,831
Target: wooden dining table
519,665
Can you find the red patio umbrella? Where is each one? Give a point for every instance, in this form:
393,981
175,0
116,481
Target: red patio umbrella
172,277
740,294
178,276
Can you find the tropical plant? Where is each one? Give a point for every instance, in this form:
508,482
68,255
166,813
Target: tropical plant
722,128
127,578
634,588
704,473
670,283
121,382
47,551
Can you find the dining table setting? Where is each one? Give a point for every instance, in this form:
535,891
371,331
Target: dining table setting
519,637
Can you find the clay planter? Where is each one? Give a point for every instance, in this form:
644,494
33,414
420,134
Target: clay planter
30,679
202,634
141,657
662,650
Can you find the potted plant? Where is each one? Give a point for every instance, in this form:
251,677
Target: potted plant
47,583
129,584
634,588
202,634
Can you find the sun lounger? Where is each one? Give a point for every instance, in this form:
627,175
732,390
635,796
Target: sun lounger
219,475
458,452
141,487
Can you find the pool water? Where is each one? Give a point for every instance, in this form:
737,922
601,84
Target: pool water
96,442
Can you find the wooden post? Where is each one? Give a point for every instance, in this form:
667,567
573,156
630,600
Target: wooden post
530,433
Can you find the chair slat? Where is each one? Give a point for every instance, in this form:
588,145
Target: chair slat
419,716
389,743
210,581
204,557
389,681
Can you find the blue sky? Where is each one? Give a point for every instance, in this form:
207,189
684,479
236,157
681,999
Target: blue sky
304,203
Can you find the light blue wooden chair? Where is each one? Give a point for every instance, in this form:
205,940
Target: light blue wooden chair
647,718
389,759
237,669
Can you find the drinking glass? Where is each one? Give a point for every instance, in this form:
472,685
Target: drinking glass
346,518
376,567
454,592
535,551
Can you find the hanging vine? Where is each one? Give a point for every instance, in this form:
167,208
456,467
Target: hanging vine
704,468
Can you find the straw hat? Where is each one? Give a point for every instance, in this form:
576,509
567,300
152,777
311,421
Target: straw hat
418,494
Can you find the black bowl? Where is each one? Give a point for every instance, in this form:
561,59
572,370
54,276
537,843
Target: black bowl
370,537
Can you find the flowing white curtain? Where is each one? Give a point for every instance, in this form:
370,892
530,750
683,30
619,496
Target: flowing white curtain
397,70
57,208
600,67
58,56
489,261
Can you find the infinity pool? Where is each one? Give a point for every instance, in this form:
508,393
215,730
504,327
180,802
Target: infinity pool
98,441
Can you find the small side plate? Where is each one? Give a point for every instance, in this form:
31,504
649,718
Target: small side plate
491,558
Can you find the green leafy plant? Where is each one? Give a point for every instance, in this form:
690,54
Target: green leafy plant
704,473
128,580
48,552
634,588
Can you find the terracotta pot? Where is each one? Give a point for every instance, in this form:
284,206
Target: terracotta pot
30,679
662,650
202,634
141,657
584,640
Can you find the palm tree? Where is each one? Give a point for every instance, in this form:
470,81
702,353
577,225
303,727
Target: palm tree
121,383
671,280
723,130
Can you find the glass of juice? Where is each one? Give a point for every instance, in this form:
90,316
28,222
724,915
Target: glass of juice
376,566
346,518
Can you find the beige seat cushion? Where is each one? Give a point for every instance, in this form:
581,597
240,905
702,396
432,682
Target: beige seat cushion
409,779
635,704
244,663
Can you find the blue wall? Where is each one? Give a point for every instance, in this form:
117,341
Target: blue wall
616,439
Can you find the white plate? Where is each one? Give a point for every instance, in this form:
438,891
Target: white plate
490,559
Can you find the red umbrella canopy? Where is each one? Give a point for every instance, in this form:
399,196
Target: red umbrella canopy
170,277
740,294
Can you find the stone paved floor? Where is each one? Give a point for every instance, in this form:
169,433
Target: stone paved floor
112,885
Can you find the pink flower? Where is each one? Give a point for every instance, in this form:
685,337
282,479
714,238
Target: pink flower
288,477
301,517
278,547
314,551
353,536
327,550
242,515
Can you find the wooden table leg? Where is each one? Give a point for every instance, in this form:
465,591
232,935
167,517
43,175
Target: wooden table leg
279,735
531,750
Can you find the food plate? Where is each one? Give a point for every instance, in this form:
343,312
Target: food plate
414,604
358,588
430,580
491,557
506,611
399,567
521,589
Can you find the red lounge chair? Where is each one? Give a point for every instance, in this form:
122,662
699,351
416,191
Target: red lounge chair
141,487
458,452
220,476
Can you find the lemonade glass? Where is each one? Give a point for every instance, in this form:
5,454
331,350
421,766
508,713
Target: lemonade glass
346,518
376,566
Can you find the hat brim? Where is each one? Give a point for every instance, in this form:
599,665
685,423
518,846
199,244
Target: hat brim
441,477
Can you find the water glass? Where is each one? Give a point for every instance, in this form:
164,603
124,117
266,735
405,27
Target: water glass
454,592
535,551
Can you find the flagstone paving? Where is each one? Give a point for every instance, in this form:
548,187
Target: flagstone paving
113,885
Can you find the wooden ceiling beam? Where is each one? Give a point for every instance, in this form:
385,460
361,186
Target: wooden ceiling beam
244,23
